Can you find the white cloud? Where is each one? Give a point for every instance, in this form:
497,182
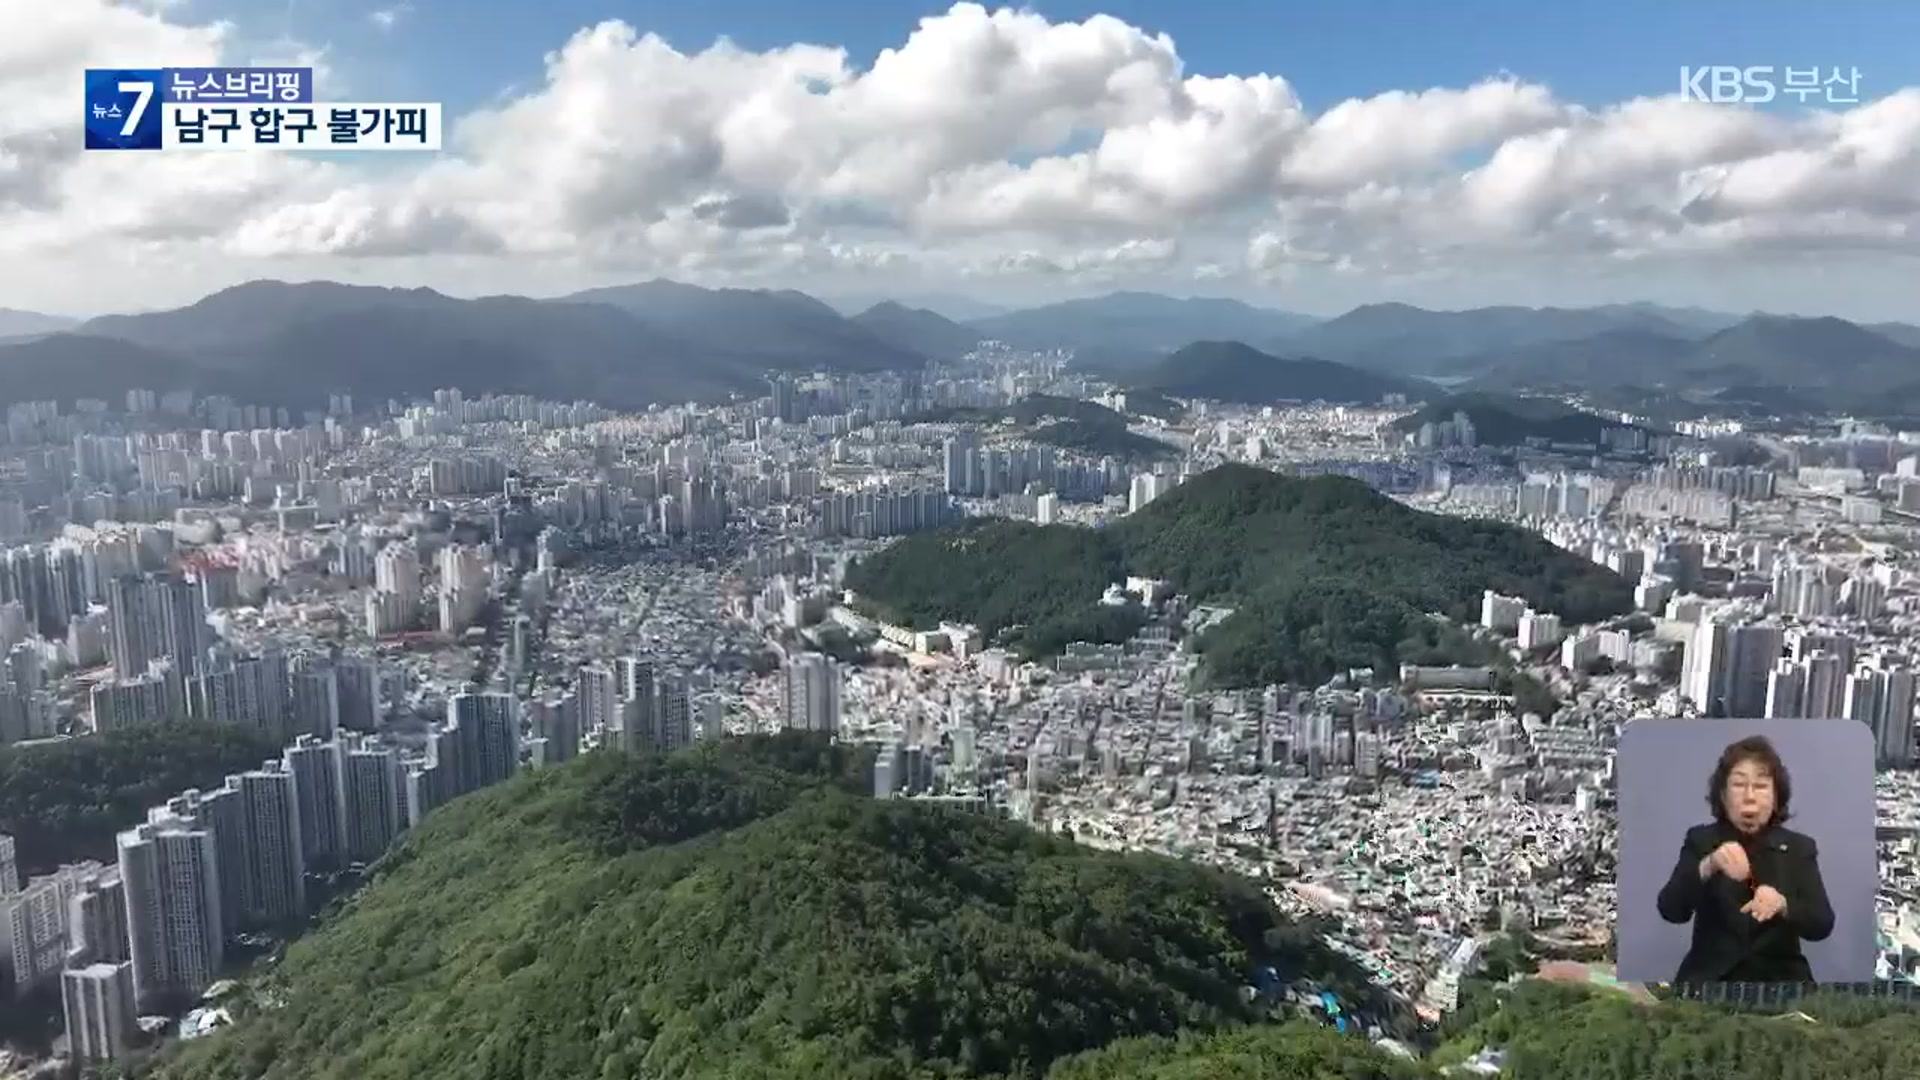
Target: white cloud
987,146
389,17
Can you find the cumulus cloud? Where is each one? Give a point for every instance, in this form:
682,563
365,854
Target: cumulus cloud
987,143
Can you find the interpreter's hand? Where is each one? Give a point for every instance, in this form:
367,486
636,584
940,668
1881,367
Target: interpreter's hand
1766,904
1729,859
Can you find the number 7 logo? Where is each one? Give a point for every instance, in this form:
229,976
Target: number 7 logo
143,96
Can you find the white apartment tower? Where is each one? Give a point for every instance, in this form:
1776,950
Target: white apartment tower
177,938
318,780
372,782
100,1005
270,807
811,693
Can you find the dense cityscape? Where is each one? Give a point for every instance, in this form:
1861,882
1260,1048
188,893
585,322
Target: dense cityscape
421,599
956,541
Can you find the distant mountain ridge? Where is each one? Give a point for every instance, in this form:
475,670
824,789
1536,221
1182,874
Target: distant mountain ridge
1139,321
1799,363
1233,371
292,344
15,324
918,330
665,341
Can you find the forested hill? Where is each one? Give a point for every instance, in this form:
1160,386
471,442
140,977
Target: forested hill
735,912
64,801
1324,573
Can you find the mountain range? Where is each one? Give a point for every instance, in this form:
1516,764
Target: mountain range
662,341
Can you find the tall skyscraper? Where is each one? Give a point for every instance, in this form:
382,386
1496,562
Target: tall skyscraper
270,805
673,725
488,726
97,921
159,616
316,701
373,780
250,691
1726,667
557,720
1786,690
99,1000
811,693
171,876
318,780
357,680
132,617
33,932
9,866
1882,698
599,694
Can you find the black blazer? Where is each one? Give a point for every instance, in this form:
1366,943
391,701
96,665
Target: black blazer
1729,946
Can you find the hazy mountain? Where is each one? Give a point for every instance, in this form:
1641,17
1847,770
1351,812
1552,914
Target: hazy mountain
946,305
1698,320
63,367
1235,372
1778,350
15,324
1902,333
1611,357
256,311
292,344
918,330
276,343
1139,321
1762,361
1408,340
791,329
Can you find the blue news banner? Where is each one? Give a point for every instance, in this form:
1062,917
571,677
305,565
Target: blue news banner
240,109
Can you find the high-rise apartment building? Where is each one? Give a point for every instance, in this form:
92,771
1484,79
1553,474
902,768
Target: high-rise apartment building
372,782
100,1004
811,693
97,920
487,727
319,773
170,872
9,866
270,808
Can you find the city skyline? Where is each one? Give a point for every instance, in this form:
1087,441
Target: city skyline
1519,158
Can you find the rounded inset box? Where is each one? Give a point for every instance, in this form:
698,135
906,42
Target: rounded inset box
1746,851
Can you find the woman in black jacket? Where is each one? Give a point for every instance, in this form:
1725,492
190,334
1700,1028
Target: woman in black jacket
1751,887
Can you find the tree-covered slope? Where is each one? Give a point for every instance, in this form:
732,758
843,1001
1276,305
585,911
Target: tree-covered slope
64,801
722,915
1506,420
1324,574
1559,1032
1263,1052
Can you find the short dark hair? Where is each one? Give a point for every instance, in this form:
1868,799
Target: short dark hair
1757,749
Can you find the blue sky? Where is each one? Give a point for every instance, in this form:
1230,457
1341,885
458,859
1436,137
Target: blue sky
464,52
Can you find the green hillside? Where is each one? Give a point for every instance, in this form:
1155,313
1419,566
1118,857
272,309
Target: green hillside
1102,439
1324,573
1505,420
1558,1032
1084,427
734,912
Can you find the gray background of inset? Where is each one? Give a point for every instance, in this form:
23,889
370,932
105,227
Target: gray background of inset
1662,774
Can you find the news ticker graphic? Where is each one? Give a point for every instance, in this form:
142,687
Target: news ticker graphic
242,109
